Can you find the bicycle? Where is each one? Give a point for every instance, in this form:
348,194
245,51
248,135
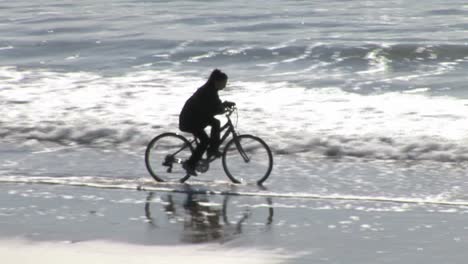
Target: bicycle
245,158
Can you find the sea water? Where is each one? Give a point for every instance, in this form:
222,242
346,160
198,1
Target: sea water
355,98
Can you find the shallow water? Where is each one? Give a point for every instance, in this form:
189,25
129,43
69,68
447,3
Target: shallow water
280,230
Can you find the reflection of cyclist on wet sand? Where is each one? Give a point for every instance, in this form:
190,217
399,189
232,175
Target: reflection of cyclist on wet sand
204,224
198,113
205,221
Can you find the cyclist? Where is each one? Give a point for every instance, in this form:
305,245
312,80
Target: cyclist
198,113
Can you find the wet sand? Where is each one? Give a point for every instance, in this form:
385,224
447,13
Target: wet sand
82,224
13,251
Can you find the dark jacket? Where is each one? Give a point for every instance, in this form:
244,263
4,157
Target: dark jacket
200,108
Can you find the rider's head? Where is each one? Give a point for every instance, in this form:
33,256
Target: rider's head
218,79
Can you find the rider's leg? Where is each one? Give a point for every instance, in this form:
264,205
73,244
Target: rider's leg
201,135
214,139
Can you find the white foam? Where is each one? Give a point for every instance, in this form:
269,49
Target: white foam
89,109
102,252
6,48
109,183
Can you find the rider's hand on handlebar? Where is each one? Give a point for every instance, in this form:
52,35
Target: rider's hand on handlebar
228,104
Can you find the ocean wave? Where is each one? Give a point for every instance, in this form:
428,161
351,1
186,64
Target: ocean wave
350,54
79,136
382,148
328,146
86,109
98,53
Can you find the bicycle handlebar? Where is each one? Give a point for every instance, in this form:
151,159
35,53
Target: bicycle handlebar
229,110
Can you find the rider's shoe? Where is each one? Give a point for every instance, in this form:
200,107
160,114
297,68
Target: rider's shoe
214,154
189,169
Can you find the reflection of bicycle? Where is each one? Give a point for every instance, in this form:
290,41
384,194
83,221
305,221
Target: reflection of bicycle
236,216
246,158
206,218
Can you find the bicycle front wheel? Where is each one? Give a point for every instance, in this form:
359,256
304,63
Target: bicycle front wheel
247,159
165,155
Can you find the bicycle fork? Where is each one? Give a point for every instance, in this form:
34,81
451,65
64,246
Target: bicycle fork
241,151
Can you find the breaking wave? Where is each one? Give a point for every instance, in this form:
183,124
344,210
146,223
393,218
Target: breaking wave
91,110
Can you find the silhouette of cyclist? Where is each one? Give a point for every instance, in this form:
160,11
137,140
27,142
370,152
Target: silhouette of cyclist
199,112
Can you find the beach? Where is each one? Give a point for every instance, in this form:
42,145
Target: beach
325,210
51,223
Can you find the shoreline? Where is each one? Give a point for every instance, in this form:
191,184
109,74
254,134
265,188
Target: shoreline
218,188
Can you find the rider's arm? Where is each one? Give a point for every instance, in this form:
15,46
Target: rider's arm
216,104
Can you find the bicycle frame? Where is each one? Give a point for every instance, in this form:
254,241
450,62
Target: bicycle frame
229,130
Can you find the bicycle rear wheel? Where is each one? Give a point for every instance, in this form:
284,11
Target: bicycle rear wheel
165,155
247,159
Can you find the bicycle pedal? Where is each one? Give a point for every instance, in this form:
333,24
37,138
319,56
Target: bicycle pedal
190,171
168,160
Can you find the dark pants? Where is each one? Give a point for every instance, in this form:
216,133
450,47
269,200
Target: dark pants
211,143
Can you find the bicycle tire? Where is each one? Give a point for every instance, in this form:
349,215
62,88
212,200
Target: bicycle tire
163,146
257,167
